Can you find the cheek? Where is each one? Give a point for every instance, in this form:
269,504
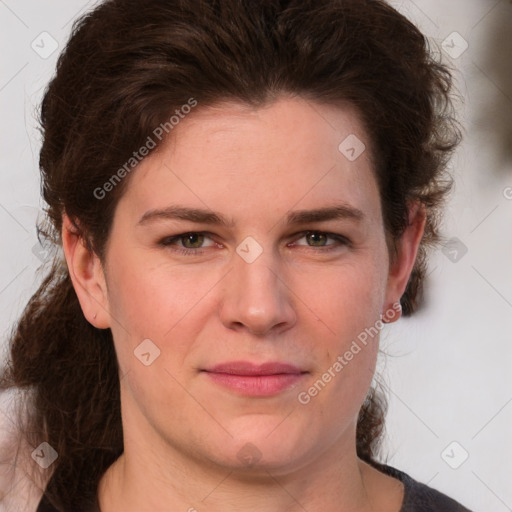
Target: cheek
151,299
166,304
350,299
134,299
349,338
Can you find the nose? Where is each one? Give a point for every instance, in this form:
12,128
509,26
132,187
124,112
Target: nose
256,298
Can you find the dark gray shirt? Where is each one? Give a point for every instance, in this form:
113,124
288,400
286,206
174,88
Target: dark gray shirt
417,497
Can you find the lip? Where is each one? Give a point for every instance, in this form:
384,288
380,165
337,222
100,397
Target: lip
248,368
251,379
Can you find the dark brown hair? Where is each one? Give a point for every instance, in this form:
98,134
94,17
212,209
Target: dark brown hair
127,67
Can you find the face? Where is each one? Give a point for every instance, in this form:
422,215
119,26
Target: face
249,239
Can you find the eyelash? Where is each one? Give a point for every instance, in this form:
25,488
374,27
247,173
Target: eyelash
168,242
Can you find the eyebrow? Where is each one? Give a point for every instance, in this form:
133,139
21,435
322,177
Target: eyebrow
200,216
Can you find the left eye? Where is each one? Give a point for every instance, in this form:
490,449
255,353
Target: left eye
320,239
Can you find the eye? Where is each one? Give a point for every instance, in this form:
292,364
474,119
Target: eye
187,243
321,239
194,243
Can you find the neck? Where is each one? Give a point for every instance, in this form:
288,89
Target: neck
335,481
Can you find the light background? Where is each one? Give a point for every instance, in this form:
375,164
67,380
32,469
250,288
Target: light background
449,367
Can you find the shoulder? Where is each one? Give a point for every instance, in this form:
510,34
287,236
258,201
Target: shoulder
418,497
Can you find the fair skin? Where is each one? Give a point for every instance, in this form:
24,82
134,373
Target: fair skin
296,303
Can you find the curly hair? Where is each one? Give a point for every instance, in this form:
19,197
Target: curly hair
127,66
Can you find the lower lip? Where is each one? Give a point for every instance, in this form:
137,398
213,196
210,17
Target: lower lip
259,385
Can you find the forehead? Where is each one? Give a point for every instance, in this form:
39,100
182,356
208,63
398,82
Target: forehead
291,152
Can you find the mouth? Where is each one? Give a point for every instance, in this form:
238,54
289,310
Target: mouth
249,379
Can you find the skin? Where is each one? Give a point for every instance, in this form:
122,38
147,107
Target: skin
295,303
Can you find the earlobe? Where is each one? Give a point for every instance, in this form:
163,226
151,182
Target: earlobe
406,251
87,275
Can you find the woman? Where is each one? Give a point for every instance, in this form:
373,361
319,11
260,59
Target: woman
244,193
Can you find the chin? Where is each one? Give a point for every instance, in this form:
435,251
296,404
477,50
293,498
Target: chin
261,452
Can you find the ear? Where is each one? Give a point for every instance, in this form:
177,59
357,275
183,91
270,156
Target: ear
86,274
402,262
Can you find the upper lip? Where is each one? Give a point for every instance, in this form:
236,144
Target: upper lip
252,369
